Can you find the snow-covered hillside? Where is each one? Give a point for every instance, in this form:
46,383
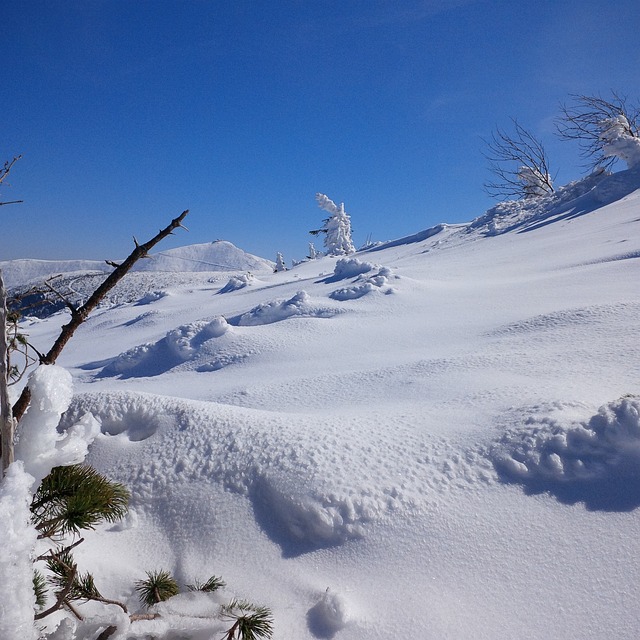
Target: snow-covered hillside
213,256
437,438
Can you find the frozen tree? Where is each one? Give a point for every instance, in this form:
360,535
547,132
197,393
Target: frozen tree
337,227
519,163
313,253
617,142
605,128
280,266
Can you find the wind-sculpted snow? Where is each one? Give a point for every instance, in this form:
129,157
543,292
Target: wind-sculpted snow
299,305
597,461
178,346
571,201
572,319
325,440
365,284
349,268
298,485
237,282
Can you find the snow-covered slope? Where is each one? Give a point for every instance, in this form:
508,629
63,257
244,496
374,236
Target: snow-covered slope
437,438
213,256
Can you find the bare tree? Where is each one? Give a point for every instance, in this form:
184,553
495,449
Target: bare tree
519,164
587,118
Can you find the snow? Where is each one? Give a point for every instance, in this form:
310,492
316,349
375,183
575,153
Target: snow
214,256
17,599
459,459
39,444
619,141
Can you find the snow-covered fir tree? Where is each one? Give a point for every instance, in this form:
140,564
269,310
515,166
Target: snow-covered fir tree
280,266
313,252
337,228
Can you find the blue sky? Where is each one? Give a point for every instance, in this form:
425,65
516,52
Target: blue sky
128,112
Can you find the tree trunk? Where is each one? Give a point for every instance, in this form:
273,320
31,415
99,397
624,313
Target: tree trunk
6,414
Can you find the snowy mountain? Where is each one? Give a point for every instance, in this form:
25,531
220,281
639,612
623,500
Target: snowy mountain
435,438
214,256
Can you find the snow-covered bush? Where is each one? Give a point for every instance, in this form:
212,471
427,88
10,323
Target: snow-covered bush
618,142
605,128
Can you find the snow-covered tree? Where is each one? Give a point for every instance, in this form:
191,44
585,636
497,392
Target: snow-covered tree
605,128
519,163
313,252
618,142
280,266
337,227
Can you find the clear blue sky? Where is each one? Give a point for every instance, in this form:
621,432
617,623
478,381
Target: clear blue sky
129,111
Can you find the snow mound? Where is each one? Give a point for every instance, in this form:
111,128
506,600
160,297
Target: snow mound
152,296
364,285
597,461
237,282
349,268
329,615
179,345
267,313
306,492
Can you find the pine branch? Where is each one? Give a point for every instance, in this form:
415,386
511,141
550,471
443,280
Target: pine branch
140,251
159,586
76,497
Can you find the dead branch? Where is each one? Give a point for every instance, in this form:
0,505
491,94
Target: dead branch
4,172
508,154
7,422
583,119
81,314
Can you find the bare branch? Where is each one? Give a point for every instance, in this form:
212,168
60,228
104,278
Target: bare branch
4,172
583,119
140,251
519,162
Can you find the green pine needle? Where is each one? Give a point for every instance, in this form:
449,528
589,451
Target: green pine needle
212,584
159,586
40,589
77,497
250,621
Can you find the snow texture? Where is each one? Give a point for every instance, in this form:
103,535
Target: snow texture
618,142
596,461
437,458
17,600
40,445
